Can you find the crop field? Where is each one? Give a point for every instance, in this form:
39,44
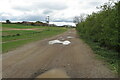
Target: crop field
15,35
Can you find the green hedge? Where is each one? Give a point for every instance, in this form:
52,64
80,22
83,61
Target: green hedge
102,27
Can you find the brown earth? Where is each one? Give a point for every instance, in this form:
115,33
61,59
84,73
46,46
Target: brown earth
7,29
54,73
39,59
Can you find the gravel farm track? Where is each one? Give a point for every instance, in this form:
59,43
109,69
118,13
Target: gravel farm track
42,60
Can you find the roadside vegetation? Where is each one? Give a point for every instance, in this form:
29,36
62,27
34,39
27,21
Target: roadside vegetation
12,38
100,30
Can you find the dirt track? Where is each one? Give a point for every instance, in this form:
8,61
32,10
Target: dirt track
76,60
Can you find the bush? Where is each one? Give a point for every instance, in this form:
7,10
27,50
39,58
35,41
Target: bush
102,27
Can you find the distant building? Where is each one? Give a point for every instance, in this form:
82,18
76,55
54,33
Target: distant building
27,23
38,23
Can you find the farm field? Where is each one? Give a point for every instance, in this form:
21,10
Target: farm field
15,35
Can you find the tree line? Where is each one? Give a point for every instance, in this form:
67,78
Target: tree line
101,27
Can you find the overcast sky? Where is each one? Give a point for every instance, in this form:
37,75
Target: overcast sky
37,10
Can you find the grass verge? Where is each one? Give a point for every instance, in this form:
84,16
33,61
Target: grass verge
11,40
110,57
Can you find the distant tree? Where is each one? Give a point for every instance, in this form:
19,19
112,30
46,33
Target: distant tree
82,17
78,19
23,21
8,21
38,22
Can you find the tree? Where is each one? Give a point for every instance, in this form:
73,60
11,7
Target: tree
76,19
101,26
38,22
79,19
8,21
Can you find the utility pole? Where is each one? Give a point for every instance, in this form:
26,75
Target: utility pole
47,19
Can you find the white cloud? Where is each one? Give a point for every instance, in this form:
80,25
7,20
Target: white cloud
58,10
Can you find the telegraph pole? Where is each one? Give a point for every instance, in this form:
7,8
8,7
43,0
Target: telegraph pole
47,19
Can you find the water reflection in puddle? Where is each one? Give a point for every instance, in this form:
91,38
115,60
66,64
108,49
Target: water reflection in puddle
66,42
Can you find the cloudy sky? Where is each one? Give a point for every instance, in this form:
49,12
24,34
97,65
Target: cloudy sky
37,10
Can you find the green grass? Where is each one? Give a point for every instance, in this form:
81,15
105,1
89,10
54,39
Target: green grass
12,35
110,57
26,36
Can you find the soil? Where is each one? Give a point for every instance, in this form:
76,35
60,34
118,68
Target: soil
40,59
7,29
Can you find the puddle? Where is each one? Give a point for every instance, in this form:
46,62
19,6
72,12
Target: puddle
69,37
54,73
66,42
55,41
